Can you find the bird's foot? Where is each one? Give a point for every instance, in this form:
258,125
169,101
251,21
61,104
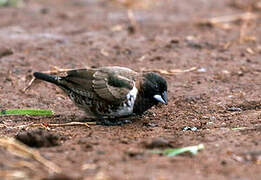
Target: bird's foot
112,122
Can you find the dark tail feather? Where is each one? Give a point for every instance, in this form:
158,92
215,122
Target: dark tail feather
47,77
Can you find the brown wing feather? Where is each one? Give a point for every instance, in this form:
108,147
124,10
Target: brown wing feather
79,81
109,83
113,83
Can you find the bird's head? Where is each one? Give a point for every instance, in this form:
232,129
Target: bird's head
155,88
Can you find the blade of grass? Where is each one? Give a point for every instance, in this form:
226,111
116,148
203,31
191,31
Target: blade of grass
176,151
32,112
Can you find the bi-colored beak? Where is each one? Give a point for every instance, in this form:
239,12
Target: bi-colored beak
163,98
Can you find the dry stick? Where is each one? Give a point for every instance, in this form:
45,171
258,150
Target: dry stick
255,127
72,124
63,124
171,71
229,18
30,84
26,164
56,125
244,30
7,174
21,150
133,20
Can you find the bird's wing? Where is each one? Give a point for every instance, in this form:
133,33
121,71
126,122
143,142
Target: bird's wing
109,83
113,83
78,81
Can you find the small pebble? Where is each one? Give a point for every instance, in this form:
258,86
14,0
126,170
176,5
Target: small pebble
234,109
187,128
4,51
213,118
158,143
153,125
202,70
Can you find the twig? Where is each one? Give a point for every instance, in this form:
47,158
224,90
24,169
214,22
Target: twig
133,21
170,72
72,124
30,84
7,174
255,127
228,19
26,164
46,125
21,150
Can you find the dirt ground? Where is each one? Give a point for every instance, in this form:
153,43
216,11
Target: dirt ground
221,97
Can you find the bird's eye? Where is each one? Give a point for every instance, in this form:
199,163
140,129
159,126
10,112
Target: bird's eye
156,86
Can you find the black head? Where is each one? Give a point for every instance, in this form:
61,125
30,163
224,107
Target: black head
155,88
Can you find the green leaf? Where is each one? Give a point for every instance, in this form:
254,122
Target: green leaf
3,2
13,3
176,151
32,112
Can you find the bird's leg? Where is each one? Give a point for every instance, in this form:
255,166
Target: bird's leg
90,120
112,121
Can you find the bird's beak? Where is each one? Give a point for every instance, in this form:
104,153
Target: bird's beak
163,98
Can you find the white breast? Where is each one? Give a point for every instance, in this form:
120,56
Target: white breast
127,107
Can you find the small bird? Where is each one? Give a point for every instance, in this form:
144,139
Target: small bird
111,92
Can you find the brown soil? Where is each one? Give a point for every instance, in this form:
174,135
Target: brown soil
38,138
223,93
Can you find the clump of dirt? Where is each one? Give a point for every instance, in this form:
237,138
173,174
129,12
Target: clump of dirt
38,138
4,51
158,142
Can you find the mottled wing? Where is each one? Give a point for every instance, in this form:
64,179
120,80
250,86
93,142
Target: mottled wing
113,83
109,83
79,81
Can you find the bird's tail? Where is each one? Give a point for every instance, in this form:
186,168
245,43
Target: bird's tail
47,77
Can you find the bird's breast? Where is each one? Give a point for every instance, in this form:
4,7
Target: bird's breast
126,107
